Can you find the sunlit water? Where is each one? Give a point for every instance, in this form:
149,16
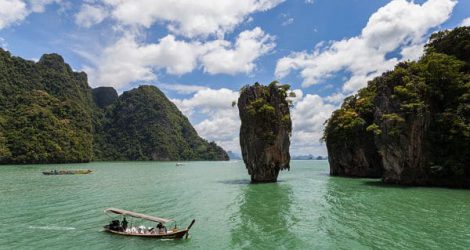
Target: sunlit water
306,209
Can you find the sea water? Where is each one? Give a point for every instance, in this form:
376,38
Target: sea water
305,209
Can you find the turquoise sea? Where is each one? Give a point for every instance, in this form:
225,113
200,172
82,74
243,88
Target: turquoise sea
306,209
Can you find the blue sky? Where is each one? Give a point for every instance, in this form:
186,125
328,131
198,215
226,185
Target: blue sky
201,52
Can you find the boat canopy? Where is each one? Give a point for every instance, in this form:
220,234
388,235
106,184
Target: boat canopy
137,215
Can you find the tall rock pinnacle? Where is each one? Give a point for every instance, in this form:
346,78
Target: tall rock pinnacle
265,130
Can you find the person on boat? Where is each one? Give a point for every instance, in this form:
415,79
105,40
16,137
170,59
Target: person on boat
114,225
124,224
161,227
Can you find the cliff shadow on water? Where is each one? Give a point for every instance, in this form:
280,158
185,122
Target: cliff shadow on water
265,218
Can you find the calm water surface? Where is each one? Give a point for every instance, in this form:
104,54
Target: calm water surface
306,209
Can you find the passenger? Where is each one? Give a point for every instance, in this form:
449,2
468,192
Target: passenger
160,227
114,225
124,224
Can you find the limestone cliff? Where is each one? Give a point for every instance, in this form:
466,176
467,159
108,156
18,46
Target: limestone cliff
143,124
49,114
265,130
412,123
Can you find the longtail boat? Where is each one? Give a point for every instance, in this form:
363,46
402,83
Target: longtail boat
64,172
160,231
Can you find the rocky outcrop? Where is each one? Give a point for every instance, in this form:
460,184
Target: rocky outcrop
402,141
350,142
265,130
357,157
413,122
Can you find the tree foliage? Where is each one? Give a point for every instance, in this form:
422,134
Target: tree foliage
435,88
49,114
144,125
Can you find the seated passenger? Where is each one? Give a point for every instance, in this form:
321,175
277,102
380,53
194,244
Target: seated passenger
160,227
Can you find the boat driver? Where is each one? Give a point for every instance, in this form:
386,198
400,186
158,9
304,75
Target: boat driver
124,224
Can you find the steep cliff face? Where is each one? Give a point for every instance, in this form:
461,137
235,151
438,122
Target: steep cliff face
423,113
402,138
265,130
355,157
350,144
420,119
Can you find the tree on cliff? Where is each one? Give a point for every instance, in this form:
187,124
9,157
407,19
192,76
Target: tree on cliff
143,124
265,130
416,119
49,114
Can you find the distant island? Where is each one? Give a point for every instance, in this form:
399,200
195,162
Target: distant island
233,156
49,114
309,157
411,125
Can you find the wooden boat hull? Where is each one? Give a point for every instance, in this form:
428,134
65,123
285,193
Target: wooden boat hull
67,172
173,235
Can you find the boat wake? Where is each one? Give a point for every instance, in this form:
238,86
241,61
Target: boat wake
51,228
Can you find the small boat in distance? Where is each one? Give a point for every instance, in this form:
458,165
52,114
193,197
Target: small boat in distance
160,231
65,172
179,164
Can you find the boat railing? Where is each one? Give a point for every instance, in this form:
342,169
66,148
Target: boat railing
151,231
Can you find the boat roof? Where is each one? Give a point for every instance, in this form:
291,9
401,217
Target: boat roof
137,215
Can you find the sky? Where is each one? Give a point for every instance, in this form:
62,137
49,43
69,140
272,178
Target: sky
200,53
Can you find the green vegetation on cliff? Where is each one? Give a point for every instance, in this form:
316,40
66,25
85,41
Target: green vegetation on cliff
144,125
265,130
49,114
417,116
45,111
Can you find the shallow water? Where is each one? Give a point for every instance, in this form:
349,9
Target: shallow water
306,209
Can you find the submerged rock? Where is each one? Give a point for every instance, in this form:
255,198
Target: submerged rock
265,130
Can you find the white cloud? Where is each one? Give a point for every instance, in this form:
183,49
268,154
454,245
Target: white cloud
188,17
12,11
223,58
90,15
308,118
412,52
181,88
335,98
15,11
465,22
3,44
221,123
128,60
399,25
40,5
286,19
208,101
